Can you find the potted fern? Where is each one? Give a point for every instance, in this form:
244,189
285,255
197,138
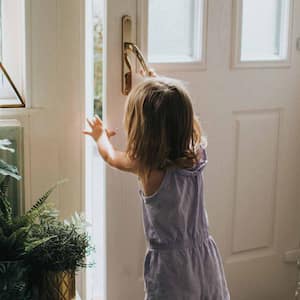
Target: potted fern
16,238
39,254
56,261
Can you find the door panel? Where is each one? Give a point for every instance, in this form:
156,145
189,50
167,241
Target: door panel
251,118
125,244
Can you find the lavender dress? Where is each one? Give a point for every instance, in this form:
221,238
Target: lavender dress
182,260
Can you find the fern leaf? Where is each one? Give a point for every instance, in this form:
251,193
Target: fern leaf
31,245
4,187
4,143
44,197
5,207
10,170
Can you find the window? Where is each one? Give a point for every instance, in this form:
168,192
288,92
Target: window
262,30
11,51
176,31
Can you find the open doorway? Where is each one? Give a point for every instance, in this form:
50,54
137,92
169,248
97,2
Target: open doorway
95,185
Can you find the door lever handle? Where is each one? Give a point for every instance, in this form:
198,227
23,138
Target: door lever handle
128,47
135,49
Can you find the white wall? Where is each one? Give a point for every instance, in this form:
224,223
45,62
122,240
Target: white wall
57,88
56,84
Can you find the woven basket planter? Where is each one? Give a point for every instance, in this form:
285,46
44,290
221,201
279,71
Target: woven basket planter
57,286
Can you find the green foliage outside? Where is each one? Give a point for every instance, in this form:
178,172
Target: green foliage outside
98,66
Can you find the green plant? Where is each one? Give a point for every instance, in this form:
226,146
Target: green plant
13,281
68,246
16,233
16,236
36,241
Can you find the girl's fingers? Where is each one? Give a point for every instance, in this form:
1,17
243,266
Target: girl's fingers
142,72
110,133
152,73
90,122
86,132
98,120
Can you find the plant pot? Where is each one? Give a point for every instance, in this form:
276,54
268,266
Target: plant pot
57,286
14,280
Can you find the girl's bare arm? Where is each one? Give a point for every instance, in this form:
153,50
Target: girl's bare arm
116,159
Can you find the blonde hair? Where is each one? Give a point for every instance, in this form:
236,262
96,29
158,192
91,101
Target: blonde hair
162,129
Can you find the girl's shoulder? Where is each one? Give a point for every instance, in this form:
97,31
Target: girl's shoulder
153,183
157,178
200,163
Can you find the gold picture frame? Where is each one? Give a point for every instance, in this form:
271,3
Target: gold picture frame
15,90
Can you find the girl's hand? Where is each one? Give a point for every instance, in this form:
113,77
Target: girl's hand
101,135
98,129
150,74
110,133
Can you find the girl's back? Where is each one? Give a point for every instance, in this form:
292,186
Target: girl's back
182,261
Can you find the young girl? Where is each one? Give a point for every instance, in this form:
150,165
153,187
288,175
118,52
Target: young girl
166,152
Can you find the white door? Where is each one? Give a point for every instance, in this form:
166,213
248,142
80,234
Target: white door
240,63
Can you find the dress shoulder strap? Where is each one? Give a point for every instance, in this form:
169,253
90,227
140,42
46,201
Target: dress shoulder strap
204,153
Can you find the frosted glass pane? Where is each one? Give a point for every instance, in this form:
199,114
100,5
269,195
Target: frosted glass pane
14,134
264,29
174,30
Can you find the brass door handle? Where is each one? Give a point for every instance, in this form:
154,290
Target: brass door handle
128,47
